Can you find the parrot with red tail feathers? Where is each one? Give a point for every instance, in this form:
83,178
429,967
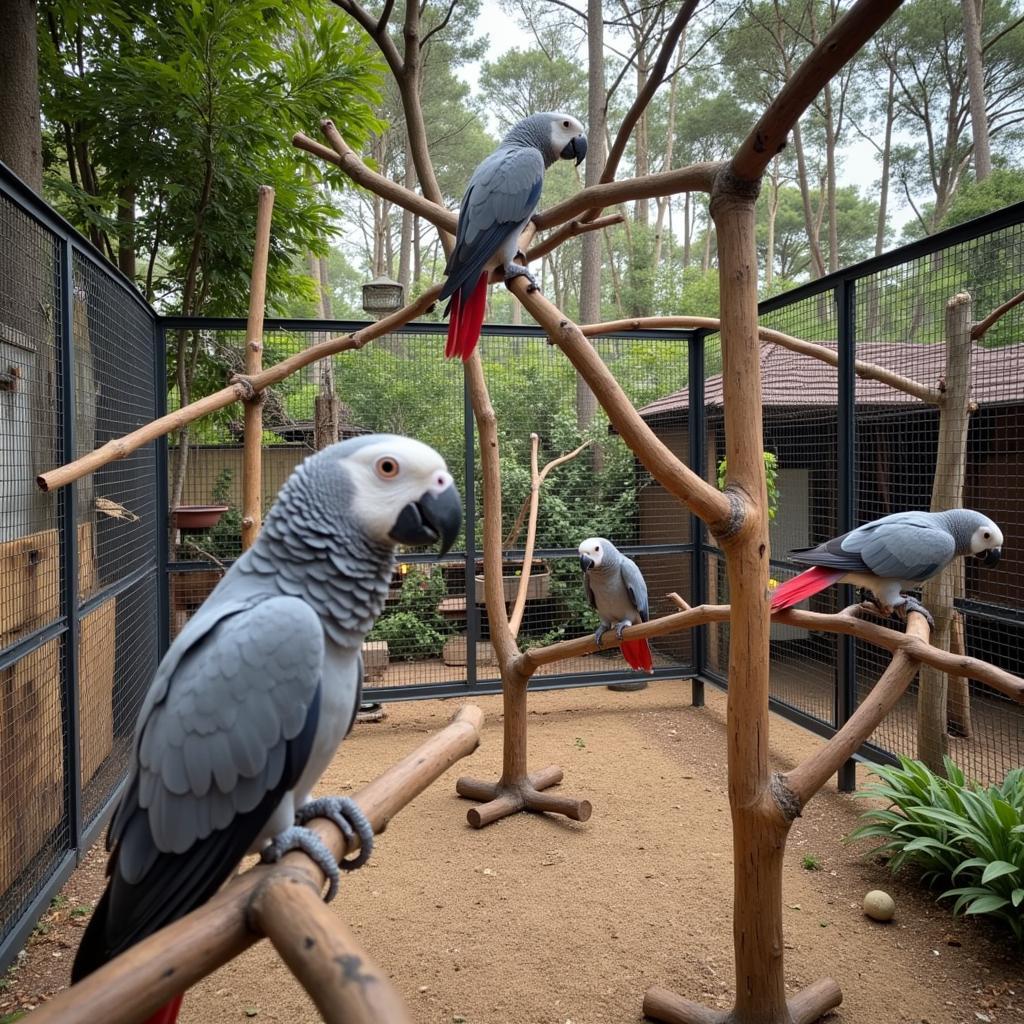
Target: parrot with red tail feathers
617,592
892,554
499,202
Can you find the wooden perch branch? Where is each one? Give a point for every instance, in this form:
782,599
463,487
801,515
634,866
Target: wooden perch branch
840,43
342,155
537,479
575,227
706,501
240,390
979,329
799,785
140,981
846,621
252,454
867,371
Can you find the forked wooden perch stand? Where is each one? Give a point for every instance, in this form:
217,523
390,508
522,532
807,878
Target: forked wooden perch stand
283,903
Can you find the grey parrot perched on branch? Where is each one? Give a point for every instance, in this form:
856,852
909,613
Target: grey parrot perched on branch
891,555
616,590
252,699
499,202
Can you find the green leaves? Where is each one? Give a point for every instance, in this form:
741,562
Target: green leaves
953,830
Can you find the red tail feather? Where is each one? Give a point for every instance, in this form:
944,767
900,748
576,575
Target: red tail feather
454,314
168,1013
806,584
471,320
638,655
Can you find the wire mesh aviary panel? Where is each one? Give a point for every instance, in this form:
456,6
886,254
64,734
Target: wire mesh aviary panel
433,633
79,628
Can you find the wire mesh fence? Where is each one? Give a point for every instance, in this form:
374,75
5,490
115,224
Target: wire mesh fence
78,569
433,636
908,315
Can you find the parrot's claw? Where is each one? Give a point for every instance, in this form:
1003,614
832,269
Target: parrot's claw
513,270
349,817
306,840
598,633
911,604
621,628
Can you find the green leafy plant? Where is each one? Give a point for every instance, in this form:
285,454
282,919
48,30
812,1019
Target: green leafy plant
771,474
409,638
953,830
810,862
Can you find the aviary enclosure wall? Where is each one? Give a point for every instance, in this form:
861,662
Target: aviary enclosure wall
85,613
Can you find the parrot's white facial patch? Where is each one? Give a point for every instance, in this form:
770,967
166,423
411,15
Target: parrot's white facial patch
564,128
388,476
986,538
592,548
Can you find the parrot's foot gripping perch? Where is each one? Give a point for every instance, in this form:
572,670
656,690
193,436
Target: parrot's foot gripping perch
513,270
349,818
599,633
911,604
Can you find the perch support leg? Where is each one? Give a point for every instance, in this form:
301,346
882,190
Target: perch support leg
518,790
806,1007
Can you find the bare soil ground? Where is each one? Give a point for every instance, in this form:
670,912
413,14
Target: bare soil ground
539,920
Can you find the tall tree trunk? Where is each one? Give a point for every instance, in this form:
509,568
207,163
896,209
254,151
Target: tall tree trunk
883,195
126,230
325,404
21,145
773,211
687,229
417,259
976,84
590,268
810,221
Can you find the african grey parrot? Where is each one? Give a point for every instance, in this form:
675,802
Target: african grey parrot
499,202
253,697
891,555
617,592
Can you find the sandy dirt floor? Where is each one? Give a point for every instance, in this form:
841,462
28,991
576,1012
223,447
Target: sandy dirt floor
539,920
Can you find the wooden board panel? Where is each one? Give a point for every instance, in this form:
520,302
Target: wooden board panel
31,758
96,686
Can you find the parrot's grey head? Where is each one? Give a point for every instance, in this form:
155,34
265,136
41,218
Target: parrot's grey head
976,535
399,489
558,136
594,551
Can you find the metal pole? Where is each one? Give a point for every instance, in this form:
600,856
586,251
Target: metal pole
163,512
698,564
469,503
68,505
846,438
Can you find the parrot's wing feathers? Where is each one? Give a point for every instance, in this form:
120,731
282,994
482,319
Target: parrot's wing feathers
502,194
830,555
907,549
633,578
216,755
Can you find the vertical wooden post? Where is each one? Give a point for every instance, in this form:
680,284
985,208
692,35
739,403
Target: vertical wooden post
759,830
252,455
940,592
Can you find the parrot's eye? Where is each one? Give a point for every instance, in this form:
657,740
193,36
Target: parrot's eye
987,535
565,124
387,468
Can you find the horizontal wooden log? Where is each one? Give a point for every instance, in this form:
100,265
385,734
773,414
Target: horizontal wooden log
135,985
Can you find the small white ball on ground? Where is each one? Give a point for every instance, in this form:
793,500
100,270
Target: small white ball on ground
879,906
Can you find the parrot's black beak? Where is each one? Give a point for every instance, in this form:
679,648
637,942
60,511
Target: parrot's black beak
435,517
990,557
576,149
586,563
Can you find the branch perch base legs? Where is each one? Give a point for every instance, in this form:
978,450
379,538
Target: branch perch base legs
525,794
805,1007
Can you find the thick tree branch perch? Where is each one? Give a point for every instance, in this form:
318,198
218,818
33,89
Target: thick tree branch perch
979,329
578,226
808,777
840,43
706,501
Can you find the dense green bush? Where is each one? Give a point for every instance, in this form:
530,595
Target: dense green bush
953,830
415,629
